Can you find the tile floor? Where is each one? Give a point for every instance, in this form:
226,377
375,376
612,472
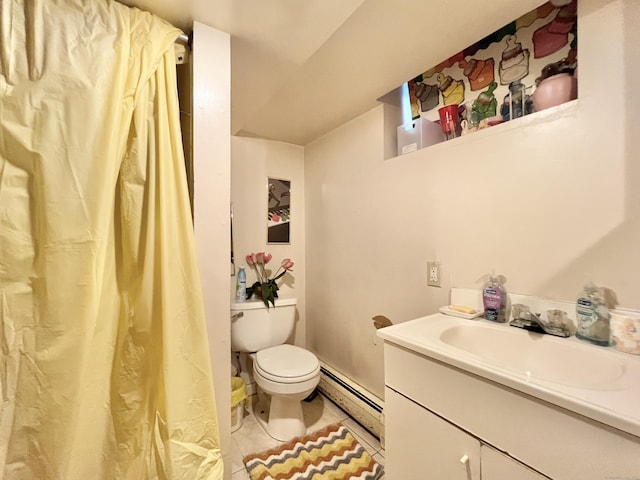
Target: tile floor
320,412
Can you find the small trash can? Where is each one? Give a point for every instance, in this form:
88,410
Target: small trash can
238,396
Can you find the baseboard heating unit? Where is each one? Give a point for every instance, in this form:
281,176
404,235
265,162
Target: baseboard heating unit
358,402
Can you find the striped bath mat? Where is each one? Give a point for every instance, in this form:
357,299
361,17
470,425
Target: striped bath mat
332,453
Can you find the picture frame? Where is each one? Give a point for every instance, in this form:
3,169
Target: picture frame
278,211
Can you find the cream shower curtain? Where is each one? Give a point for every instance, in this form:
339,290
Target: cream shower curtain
104,370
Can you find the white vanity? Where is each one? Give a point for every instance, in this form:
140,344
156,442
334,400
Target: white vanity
471,399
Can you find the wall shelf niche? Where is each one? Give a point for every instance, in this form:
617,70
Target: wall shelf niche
521,70
392,116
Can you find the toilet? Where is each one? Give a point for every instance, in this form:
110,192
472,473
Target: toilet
285,373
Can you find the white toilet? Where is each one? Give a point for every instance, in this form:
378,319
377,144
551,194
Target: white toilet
288,374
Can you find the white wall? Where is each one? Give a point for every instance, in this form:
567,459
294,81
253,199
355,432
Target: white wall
550,203
211,164
253,161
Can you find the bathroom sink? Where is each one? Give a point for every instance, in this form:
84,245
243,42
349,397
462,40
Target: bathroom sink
598,382
535,355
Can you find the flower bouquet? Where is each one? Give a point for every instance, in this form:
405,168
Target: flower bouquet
266,288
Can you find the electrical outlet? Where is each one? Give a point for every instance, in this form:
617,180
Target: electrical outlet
433,274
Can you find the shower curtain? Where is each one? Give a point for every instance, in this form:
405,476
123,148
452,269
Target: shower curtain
104,364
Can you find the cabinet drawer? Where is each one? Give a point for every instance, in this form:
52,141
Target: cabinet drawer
421,445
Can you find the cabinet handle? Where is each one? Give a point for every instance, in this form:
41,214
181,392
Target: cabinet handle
464,460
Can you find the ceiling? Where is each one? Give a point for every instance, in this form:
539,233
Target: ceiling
300,68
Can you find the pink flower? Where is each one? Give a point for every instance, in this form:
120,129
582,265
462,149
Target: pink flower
269,287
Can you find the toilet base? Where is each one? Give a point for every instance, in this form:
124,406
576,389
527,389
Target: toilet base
282,418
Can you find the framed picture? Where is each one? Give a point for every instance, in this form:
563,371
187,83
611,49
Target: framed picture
278,210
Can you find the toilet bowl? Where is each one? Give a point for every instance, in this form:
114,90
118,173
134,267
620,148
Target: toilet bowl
288,374
285,373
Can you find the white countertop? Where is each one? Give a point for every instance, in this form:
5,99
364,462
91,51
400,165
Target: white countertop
615,403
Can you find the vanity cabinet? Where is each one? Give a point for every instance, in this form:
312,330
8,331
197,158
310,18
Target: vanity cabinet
498,466
443,422
422,445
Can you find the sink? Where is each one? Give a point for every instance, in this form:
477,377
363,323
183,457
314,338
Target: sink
600,383
536,355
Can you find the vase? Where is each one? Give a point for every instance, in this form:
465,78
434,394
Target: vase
555,90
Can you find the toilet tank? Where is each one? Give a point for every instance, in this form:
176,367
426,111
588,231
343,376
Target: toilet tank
254,327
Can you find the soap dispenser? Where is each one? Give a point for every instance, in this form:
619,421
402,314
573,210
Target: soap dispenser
592,316
494,298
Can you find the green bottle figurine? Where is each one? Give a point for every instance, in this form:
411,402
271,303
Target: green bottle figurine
486,104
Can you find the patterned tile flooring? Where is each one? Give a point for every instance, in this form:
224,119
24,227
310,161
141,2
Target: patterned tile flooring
320,412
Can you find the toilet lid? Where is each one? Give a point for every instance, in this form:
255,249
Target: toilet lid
286,363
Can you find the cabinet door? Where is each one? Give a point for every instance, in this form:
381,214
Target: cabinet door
422,446
498,466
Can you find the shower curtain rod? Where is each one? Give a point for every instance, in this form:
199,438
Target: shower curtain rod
184,39
182,46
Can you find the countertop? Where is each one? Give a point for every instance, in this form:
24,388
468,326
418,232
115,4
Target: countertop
615,402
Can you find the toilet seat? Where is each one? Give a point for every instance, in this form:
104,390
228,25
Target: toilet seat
286,364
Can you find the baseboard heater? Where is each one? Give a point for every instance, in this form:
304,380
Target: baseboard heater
359,403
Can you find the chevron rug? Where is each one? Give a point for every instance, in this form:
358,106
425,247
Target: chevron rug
331,453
